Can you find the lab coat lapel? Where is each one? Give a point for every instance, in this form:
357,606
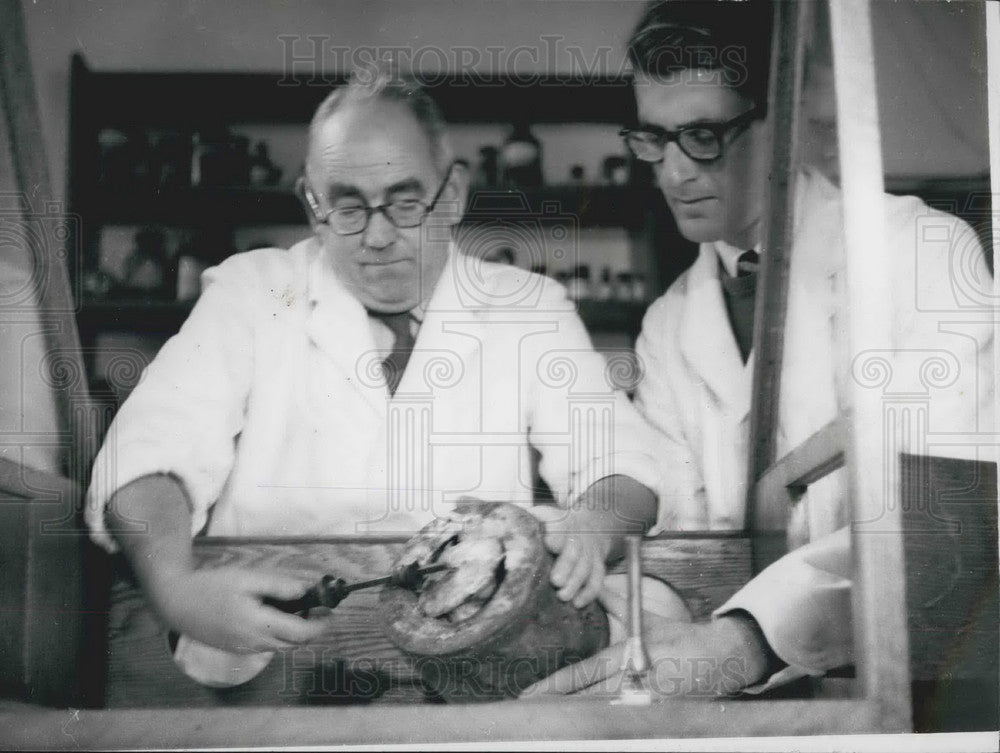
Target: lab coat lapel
707,340
338,325
443,344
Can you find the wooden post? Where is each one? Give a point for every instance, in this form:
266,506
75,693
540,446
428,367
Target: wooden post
41,545
880,628
993,97
768,517
55,299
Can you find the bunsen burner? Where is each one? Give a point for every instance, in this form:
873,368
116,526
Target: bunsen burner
521,634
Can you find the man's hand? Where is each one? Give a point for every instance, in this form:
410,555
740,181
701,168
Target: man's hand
704,659
591,533
579,569
222,608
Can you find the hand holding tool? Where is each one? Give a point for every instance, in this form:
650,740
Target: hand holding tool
331,590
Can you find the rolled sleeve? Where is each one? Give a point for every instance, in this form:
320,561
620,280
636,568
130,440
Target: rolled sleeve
802,604
683,505
605,435
187,410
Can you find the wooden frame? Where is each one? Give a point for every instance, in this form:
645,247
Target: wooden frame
42,622
42,550
880,637
880,608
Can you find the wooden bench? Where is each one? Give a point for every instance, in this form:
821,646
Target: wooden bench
353,662
950,543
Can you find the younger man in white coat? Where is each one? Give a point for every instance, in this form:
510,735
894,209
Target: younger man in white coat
362,381
700,84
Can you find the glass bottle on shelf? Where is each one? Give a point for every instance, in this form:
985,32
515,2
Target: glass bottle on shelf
539,269
263,172
615,170
521,158
579,283
148,269
604,290
220,158
199,250
639,288
170,158
486,173
623,290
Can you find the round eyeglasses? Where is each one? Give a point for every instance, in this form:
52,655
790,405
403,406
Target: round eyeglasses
702,142
353,219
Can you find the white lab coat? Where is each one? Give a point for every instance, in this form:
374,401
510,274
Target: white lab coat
697,392
271,408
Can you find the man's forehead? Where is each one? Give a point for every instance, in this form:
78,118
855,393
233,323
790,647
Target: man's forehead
686,96
371,142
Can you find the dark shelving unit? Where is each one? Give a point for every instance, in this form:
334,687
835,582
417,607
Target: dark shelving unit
187,103
165,317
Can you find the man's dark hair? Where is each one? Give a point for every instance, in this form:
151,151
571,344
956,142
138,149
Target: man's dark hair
729,36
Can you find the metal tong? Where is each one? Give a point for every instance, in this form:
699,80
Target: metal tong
635,690
331,590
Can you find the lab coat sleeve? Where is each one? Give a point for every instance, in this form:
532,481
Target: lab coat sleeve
683,505
584,428
802,604
185,414
943,330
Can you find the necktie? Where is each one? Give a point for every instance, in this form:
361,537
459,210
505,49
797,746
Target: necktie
747,264
394,364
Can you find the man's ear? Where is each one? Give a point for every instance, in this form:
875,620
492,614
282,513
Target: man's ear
454,197
307,201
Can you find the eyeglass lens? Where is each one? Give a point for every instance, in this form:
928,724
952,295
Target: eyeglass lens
406,213
696,143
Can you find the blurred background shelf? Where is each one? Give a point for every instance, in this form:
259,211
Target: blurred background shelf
136,99
590,205
145,195
165,317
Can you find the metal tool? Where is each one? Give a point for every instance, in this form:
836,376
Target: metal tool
635,689
331,590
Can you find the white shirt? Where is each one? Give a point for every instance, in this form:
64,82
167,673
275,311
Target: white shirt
730,255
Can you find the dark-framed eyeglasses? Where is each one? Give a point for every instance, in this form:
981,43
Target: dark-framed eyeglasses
702,142
353,219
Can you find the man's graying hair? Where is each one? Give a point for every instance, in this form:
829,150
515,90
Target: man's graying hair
369,84
731,37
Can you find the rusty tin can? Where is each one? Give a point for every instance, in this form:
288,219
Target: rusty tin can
522,634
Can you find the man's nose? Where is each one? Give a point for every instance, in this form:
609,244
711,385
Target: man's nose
676,168
380,233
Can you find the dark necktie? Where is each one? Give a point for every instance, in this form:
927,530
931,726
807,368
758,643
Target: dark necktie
739,293
747,264
394,364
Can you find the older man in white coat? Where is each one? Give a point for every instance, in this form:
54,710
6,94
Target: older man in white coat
362,382
701,83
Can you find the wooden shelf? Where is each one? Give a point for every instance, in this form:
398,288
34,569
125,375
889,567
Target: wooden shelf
599,205
196,206
166,317
127,100
612,316
151,101
142,316
587,205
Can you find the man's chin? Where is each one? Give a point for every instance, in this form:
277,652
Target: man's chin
699,231
390,305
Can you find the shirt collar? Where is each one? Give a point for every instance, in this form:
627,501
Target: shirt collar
729,255
323,281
